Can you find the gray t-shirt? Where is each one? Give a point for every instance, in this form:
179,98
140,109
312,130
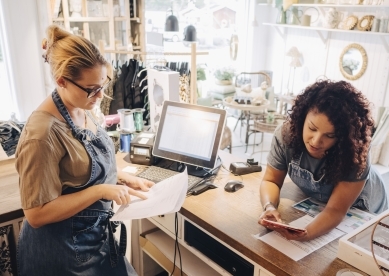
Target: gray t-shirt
280,156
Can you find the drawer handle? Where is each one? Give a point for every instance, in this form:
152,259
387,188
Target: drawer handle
161,216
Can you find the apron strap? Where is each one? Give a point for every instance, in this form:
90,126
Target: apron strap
113,250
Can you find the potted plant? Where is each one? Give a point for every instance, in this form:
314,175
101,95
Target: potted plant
224,76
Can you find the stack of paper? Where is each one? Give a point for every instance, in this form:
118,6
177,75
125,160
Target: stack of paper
163,198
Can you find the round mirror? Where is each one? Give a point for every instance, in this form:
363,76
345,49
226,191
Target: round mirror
353,61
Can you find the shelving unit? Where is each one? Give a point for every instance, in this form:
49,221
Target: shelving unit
321,32
324,33
118,23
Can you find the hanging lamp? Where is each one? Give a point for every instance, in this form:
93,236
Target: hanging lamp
171,24
190,33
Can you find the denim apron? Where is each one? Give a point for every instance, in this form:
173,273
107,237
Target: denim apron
83,244
372,198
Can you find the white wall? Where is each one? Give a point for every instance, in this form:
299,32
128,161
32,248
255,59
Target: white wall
24,49
322,58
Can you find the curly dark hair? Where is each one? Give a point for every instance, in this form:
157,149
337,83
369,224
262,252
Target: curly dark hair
349,111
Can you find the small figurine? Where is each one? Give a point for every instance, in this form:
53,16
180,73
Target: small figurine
331,19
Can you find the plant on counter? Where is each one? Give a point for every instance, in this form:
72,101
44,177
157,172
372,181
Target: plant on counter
224,75
201,76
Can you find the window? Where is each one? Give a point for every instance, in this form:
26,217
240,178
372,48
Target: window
20,43
7,103
216,22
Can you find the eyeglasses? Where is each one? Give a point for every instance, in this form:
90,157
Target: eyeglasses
91,92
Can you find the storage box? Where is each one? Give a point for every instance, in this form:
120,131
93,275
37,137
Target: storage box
355,247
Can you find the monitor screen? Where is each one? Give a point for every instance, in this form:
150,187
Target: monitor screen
189,134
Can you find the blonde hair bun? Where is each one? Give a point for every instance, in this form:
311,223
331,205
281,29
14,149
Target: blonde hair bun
44,44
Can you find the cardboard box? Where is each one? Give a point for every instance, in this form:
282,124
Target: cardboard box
355,247
162,86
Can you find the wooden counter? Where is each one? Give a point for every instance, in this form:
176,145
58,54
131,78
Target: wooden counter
10,206
230,217
233,218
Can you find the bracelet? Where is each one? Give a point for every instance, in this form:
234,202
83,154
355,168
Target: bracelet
267,204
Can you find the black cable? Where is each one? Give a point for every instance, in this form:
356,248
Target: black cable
174,256
232,172
203,180
176,246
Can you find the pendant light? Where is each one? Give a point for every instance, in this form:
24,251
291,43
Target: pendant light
171,24
190,33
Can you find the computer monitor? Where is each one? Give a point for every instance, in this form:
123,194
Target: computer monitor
189,134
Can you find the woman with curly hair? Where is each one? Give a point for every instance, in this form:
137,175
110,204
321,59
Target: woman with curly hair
324,148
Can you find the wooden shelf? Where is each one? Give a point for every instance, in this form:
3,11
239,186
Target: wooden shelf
136,19
160,247
114,27
88,19
120,18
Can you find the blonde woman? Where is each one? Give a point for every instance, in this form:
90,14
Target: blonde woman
68,175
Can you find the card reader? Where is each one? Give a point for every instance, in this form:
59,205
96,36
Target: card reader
239,168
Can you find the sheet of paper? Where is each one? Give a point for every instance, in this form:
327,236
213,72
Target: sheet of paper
130,169
310,206
294,249
353,219
163,198
146,135
143,141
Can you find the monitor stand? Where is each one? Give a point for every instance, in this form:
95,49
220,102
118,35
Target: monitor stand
192,170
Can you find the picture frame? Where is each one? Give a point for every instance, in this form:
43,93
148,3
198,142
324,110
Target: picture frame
350,22
365,23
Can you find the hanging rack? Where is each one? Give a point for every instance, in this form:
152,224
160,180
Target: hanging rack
193,70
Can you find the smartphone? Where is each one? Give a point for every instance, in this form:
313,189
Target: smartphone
286,226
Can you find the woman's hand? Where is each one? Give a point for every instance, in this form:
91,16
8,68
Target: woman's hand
119,193
289,234
270,214
134,182
274,215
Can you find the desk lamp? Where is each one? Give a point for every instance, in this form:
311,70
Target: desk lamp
295,62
